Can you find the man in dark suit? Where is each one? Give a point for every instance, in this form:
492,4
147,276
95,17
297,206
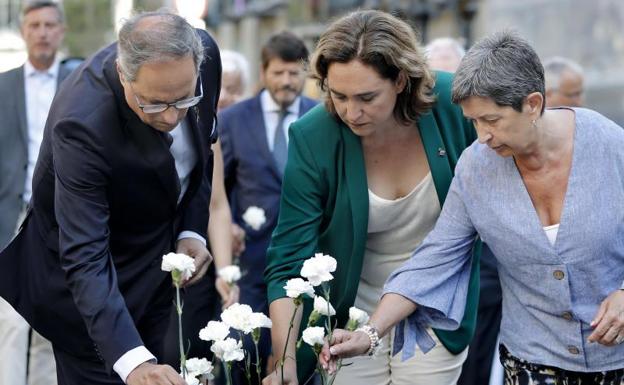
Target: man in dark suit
28,90
254,139
123,177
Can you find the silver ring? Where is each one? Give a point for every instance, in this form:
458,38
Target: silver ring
619,339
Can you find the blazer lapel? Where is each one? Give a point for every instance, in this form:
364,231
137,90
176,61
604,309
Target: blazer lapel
20,98
351,169
155,152
198,170
357,185
436,155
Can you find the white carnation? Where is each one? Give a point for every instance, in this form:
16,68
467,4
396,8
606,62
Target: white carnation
259,320
318,269
181,263
321,306
228,350
230,274
214,331
360,317
190,379
296,287
199,367
314,335
254,217
237,316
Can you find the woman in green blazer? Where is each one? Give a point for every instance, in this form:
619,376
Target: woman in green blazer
387,125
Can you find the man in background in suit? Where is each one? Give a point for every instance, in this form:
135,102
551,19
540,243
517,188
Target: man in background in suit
28,92
254,136
123,177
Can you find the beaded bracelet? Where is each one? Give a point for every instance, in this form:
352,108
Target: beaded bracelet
373,335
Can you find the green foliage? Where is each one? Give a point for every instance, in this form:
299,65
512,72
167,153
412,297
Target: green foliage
89,26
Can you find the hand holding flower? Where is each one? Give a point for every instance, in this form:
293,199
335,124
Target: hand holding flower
343,344
201,257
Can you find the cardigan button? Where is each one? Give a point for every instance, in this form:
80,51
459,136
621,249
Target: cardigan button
558,274
573,350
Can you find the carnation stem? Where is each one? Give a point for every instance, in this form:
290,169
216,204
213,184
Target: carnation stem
328,325
290,327
228,372
258,363
179,311
247,361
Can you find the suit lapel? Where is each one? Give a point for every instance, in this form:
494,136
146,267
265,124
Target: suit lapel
155,152
198,170
259,136
20,98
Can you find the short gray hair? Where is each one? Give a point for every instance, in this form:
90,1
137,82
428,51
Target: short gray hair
234,62
170,37
34,5
555,66
502,67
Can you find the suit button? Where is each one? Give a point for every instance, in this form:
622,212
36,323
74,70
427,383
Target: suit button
573,350
567,316
558,274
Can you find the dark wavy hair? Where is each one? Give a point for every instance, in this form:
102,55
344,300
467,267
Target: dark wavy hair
387,44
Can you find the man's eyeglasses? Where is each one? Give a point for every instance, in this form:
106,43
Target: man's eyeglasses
179,105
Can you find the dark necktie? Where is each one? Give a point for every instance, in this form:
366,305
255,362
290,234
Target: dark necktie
280,149
167,137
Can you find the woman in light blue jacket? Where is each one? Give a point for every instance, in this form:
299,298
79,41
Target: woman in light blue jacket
544,188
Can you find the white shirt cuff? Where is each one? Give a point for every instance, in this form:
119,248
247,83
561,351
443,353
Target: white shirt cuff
131,359
191,234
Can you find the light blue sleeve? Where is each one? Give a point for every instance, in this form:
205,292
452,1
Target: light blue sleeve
436,276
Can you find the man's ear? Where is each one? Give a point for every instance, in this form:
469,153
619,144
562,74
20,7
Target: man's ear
119,72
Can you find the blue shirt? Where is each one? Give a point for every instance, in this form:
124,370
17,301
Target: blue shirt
551,293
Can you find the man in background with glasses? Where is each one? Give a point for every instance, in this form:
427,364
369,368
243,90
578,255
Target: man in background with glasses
123,177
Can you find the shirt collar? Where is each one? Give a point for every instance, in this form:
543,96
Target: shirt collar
29,70
269,105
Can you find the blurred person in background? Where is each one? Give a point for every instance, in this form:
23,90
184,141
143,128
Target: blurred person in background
444,54
234,85
254,135
28,92
367,174
564,82
543,188
122,178
235,80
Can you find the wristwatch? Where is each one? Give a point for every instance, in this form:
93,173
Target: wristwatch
373,335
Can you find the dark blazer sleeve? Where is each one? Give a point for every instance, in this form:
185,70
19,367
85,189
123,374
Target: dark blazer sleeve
196,214
82,214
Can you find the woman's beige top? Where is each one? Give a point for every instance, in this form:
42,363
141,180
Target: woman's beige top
395,229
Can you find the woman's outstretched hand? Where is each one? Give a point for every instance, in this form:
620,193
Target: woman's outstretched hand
344,344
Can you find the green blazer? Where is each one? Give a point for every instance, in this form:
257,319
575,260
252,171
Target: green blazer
324,206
